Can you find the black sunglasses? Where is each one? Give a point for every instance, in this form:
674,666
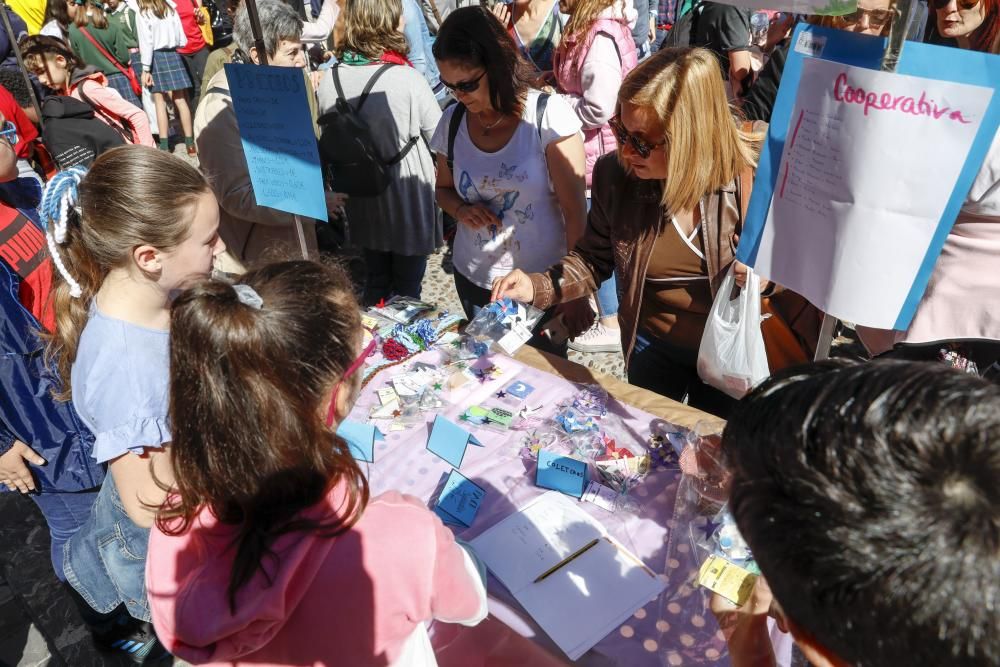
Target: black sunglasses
875,16
962,4
470,86
643,148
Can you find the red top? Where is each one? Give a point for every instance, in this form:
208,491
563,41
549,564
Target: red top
26,132
196,41
22,246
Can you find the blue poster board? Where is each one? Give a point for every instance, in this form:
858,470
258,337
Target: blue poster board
923,60
276,130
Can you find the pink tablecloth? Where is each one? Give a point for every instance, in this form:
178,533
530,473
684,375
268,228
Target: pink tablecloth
672,630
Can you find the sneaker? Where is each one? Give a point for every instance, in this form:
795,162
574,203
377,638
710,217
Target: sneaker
132,639
597,338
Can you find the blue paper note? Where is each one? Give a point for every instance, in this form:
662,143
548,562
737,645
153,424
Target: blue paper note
921,60
276,130
360,439
460,499
449,441
519,389
561,473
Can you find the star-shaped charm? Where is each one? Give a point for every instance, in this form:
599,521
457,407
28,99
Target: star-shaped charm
397,413
437,386
501,394
463,417
380,304
709,528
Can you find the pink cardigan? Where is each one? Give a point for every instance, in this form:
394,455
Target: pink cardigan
114,105
357,599
589,70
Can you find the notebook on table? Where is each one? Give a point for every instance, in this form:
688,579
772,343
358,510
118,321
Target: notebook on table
586,598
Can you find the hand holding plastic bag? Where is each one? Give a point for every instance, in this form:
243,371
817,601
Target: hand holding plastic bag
732,357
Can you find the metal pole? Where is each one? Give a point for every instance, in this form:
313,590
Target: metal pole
897,35
258,34
20,61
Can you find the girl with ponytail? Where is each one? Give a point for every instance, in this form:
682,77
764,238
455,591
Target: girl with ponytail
124,237
104,44
268,551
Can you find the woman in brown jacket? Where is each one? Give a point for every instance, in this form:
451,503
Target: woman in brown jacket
664,219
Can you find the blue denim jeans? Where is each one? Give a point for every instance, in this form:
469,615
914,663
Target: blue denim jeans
607,293
105,561
65,513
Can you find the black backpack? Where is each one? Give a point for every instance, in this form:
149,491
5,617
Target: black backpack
74,135
348,151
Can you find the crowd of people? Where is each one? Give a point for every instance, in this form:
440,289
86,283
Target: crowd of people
177,428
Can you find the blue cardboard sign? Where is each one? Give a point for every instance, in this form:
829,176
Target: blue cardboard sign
279,144
360,439
919,60
561,473
459,500
449,440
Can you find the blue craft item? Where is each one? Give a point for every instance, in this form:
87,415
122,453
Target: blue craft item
448,440
424,330
561,473
519,389
360,439
460,499
572,421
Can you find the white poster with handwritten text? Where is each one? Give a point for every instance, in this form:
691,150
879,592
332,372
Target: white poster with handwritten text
870,161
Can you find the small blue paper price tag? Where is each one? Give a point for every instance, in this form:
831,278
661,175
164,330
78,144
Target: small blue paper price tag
460,499
561,473
360,439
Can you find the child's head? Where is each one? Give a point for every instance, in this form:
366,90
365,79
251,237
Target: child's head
158,8
90,13
142,213
50,60
113,5
870,497
60,11
253,367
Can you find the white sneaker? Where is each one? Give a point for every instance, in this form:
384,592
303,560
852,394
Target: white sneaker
598,338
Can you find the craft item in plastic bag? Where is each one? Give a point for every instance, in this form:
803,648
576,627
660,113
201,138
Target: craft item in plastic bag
402,309
592,399
732,357
574,421
504,323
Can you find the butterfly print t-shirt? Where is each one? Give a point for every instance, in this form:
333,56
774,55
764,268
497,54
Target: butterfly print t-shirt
514,183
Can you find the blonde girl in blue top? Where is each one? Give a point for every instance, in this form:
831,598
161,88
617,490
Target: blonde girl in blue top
125,237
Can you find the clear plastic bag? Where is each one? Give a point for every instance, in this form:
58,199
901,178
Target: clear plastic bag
732,357
504,323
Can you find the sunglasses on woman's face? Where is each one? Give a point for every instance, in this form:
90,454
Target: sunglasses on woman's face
876,17
961,4
470,86
640,146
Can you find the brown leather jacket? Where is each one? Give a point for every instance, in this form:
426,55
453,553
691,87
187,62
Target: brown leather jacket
625,219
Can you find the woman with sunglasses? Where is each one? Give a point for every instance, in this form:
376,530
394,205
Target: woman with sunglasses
958,317
269,549
510,160
663,219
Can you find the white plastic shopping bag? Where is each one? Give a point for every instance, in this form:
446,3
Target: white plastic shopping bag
732,357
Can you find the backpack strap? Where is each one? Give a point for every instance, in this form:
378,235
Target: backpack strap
613,42
541,103
453,125
371,84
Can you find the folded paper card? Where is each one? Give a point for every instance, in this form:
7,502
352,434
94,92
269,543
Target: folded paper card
360,439
579,600
449,440
561,473
459,500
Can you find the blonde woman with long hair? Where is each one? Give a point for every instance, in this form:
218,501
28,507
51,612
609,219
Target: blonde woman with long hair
664,219
596,53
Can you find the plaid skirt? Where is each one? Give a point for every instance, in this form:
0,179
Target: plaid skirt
169,72
119,82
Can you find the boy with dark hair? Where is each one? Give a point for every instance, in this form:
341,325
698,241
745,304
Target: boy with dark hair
870,496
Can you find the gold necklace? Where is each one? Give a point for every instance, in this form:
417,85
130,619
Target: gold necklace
487,128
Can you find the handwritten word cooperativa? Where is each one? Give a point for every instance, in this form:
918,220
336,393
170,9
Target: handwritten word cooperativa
844,92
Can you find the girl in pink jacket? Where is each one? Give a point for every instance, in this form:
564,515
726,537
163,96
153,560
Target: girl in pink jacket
57,67
595,54
269,550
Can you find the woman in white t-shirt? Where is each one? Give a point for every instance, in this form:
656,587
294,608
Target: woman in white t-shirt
510,159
